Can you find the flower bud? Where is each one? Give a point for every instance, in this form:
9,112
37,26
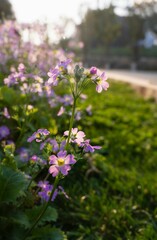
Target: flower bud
93,70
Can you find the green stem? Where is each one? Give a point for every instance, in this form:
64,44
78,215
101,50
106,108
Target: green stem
71,122
43,210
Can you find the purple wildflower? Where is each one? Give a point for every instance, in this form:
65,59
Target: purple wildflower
43,184
4,132
61,111
76,136
83,96
48,90
53,74
55,145
93,70
61,163
66,100
10,142
34,158
78,116
89,110
39,135
46,190
89,148
21,67
6,113
10,80
63,65
101,83
23,154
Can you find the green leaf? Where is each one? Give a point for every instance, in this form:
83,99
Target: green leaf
11,96
46,233
12,184
20,218
9,160
49,216
7,94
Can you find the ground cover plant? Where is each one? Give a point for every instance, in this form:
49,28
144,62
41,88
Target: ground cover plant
46,120
116,192
37,151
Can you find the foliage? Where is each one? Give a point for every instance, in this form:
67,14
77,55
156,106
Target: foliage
30,175
116,192
104,29
148,11
99,28
6,11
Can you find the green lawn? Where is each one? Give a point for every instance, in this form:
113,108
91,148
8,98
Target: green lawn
114,195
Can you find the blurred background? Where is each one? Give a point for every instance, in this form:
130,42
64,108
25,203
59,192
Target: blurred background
107,33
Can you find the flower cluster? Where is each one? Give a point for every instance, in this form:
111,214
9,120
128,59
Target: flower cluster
39,135
46,157
59,159
13,48
57,73
46,190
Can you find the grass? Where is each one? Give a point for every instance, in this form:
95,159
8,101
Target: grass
114,195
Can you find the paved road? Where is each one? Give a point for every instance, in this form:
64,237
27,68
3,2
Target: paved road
135,77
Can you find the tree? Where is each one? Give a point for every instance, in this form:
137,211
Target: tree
141,17
99,28
148,11
136,32
6,11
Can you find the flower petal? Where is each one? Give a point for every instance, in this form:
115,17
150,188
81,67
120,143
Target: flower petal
70,159
99,88
62,154
64,170
53,159
54,171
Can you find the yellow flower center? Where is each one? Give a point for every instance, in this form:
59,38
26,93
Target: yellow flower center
99,81
48,193
61,161
37,135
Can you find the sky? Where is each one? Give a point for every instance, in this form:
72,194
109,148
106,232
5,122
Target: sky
52,10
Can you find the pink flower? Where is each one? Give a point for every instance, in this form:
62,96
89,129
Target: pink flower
93,70
76,136
61,163
63,65
46,190
101,83
4,132
61,111
55,145
39,135
53,74
89,148
6,113
21,67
